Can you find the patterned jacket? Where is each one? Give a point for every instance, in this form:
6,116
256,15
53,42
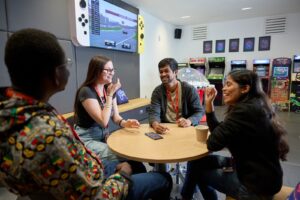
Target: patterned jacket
40,152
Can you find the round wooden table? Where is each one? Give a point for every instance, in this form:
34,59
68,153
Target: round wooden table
178,144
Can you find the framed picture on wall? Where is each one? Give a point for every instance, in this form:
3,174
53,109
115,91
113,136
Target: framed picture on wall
220,46
207,46
234,45
249,44
264,43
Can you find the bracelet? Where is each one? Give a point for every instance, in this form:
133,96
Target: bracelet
108,106
120,122
110,96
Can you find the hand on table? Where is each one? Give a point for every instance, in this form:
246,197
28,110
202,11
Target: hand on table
132,123
159,128
182,122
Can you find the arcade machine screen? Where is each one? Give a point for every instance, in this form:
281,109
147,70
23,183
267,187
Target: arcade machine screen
296,67
216,71
281,71
261,71
238,68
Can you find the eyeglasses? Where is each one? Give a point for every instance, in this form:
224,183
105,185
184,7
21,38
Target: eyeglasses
109,70
67,64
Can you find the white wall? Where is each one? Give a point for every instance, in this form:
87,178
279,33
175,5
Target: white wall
282,45
159,44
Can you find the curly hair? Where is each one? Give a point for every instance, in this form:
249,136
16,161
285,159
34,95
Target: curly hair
30,55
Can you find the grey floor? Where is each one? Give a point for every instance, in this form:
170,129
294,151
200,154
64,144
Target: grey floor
291,167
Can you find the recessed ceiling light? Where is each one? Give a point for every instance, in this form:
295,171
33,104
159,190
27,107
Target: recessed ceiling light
247,8
185,17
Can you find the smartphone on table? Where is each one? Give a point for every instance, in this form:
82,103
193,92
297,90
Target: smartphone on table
154,136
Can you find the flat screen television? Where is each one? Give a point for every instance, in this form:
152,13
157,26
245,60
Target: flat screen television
109,24
296,68
280,71
261,71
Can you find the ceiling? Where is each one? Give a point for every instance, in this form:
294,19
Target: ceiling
208,11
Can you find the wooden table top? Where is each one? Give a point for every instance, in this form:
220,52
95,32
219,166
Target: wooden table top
132,104
178,144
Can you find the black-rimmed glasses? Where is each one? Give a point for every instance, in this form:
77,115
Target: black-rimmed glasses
67,64
109,70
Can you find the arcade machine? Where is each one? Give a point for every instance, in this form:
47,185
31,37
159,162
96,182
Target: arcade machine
262,68
182,65
280,83
238,64
216,75
295,86
198,64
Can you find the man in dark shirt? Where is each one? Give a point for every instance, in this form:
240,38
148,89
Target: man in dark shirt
173,101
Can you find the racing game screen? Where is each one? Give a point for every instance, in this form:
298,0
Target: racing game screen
112,27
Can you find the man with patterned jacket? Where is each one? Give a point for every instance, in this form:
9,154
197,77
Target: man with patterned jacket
41,156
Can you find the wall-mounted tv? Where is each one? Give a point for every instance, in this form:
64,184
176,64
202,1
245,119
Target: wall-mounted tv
109,24
280,71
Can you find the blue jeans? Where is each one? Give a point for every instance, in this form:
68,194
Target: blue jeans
154,185
209,175
94,139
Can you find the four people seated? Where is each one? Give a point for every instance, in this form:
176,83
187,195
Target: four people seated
41,156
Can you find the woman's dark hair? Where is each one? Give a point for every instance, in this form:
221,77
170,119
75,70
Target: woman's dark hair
30,56
247,77
168,61
95,68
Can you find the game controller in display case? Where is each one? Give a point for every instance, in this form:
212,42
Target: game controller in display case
108,24
80,22
141,34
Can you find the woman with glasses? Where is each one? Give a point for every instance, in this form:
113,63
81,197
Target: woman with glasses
95,105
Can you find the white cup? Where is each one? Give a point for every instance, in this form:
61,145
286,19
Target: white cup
201,133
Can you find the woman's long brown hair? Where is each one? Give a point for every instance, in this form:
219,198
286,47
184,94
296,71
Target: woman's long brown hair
95,68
